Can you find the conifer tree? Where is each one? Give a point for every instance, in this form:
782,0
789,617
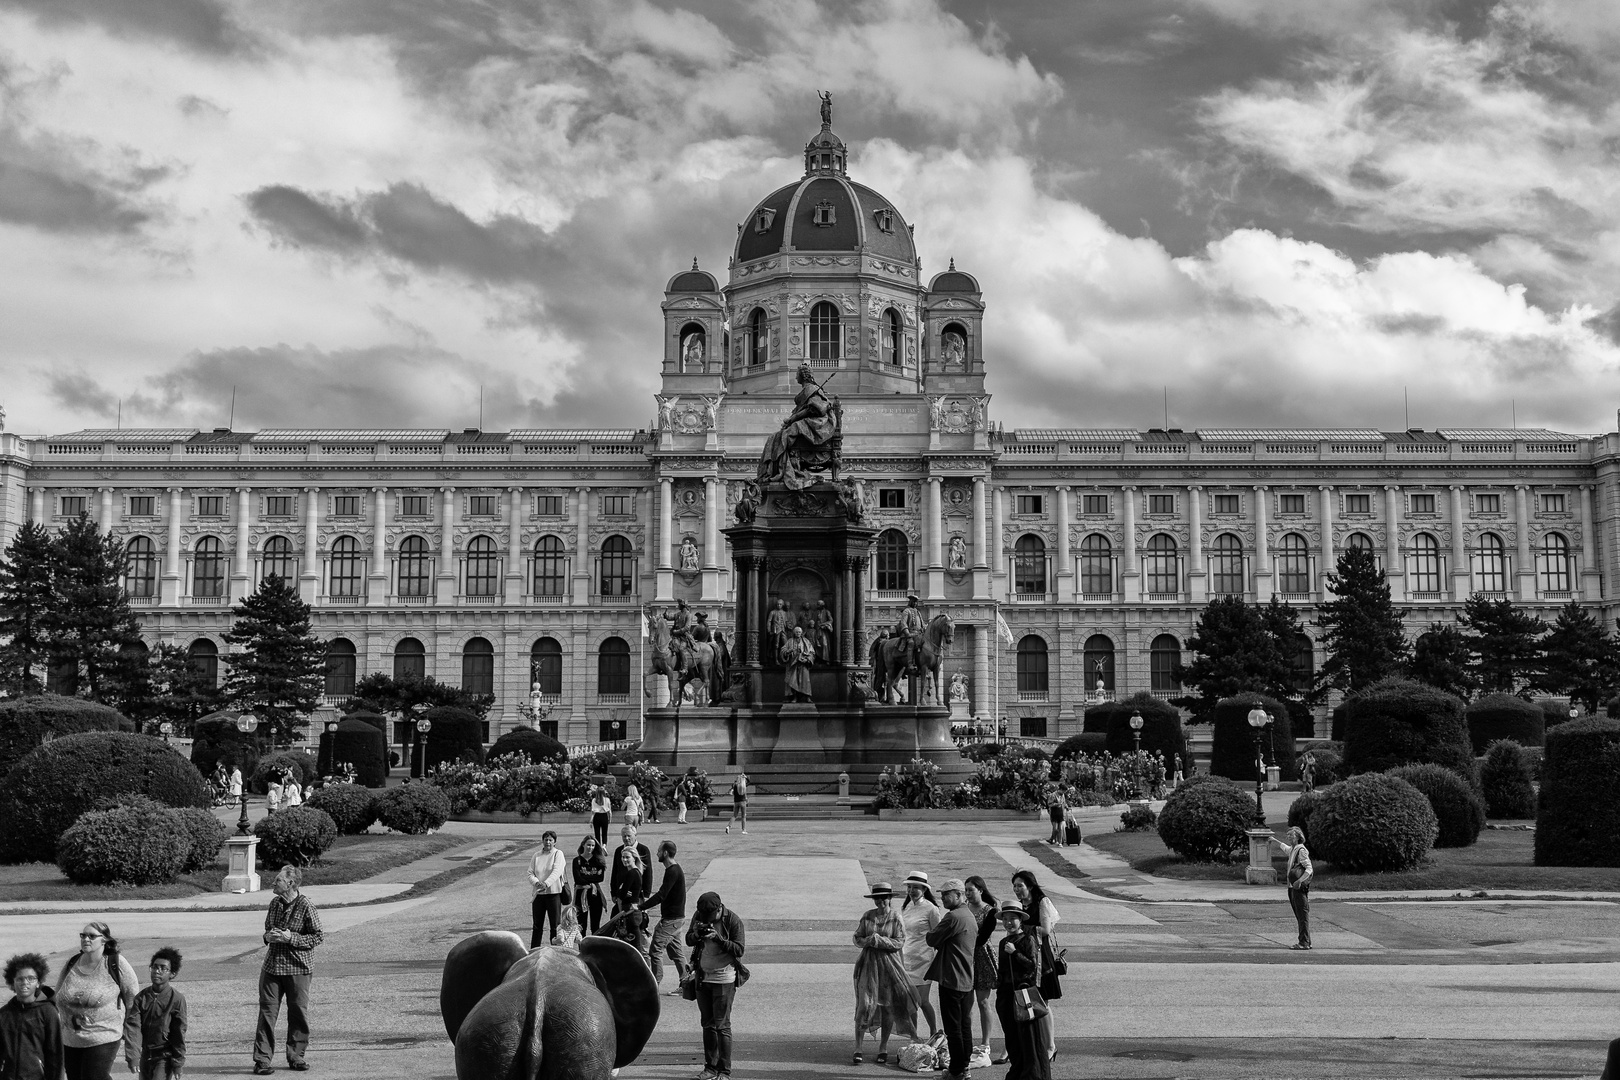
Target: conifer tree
1361,626
1440,658
91,628
26,601
170,687
1504,643
280,670
1578,658
1239,647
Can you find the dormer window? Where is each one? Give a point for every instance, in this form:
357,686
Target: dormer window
885,219
825,213
763,219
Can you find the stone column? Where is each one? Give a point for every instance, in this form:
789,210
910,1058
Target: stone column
1262,545
711,538
241,568
171,555
1394,568
664,567
582,546
995,557
983,634
1130,577
1591,579
377,580
981,544
1525,572
1197,576
1064,583
514,548
848,600
444,584
309,577
104,513
1459,552
36,505
859,641
934,524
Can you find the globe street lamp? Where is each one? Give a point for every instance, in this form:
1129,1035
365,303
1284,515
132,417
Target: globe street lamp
247,724
423,726
166,729
1259,720
1136,735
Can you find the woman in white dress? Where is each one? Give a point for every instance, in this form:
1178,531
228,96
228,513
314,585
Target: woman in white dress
919,914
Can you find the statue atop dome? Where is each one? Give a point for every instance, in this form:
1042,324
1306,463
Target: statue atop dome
826,108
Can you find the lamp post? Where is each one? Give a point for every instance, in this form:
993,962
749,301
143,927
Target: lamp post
1136,763
166,729
247,724
423,726
1259,720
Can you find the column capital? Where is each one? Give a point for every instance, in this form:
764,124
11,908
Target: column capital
1455,487
171,491
581,489
1324,487
514,490
1392,487
1195,487
447,490
1065,487
106,490
1262,487
378,490
1521,487
243,490
1127,487
667,481
311,490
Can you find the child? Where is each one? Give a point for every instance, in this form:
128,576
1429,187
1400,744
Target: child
272,794
567,935
30,1027
291,793
160,1013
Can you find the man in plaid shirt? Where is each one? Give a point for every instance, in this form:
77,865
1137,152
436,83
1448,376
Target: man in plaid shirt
292,927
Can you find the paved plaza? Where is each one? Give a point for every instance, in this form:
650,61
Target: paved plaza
1431,988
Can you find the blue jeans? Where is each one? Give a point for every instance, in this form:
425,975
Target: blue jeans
714,1011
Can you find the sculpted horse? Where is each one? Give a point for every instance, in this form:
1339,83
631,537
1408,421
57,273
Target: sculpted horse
695,661
938,633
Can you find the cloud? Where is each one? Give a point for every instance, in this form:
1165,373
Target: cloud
198,24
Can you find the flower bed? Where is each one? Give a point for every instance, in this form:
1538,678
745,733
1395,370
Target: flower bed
512,783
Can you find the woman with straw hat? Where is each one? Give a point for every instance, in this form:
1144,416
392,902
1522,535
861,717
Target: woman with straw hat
884,1002
1019,968
920,914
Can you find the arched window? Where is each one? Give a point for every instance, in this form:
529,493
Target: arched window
613,667
1032,677
759,342
415,566
824,331
340,666
893,561
483,566
345,572
208,568
549,566
1162,572
1226,576
1358,540
1098,658
1425,563
1096,566
545,665
1490,564
1029,566
1293,564
140,561
1554,570
892,353
1164,658
953,344
1302,664
478,666
204,657
278,559
618,567
694,346
410,659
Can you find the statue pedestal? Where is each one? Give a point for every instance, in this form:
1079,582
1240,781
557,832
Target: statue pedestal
1260,871
960,713
241,852
801,735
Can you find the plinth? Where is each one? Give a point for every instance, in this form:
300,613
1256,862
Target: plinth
1260,871
241,853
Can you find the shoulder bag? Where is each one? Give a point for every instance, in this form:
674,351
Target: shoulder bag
1051,988
1028,1005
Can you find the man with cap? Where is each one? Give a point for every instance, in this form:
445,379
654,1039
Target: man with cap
954,939
718,939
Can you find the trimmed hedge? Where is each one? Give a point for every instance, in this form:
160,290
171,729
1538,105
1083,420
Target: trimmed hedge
218,739
27,722
129,845
1232,751
351,807
206,832
1399,722
456,735
295,837
414,807
1336,722
1207,820
1161,727
1087,742
1578,818
1372,822
300,763
1503,716
1459,809
1299,811
361,744
1507,781
47,790
528,742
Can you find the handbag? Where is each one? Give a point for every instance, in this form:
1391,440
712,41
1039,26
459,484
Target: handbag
689,984
1051,989
1060,962
567,895
1028,1005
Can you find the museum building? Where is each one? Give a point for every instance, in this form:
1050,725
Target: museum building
501,560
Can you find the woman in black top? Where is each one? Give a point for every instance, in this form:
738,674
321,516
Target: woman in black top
589,868
1019,968
627,883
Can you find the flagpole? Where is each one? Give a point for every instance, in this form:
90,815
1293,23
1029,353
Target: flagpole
641,662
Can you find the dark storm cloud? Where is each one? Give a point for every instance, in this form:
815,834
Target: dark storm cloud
45,184
303,221
81,393
204,25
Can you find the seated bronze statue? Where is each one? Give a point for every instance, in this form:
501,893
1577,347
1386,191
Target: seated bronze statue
809,441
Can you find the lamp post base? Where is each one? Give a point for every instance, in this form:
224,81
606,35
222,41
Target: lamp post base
1260,871
241,854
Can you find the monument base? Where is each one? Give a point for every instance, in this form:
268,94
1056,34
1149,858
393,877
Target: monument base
240,855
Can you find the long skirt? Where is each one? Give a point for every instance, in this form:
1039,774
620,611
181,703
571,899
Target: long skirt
883,995
1026,1043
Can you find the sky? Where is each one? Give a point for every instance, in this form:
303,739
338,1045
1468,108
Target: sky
397,213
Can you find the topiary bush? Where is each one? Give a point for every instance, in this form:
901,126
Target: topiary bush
456,735
1372,822
1207,820
413,807
54,783
129,845
1578,814
1138,817
1299,811
1503,716
1161,727
299,763
1399,722
295,837
1506,779
1232,751
208,835
1085,743
534,745
351,807
27,722
361,744
1457,806
215,738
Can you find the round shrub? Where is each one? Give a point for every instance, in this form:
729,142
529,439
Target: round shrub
57,781
215,738
1578,816
1299,811
1503,716
130,845
413,808
351,807
1162,732
1329,767
1459,809
360,743
1507,781
1087,742
299,763
1207,821
456,735
1398,722
295,837
1372,822
207,834
1232,750
27,722
530,743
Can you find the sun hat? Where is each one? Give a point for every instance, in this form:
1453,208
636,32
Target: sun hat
917,877
881,890
1012,907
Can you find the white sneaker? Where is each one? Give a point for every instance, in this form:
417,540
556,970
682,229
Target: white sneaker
980,1058
728,830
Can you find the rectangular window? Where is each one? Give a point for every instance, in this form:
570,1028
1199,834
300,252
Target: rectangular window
616,505
1161,504
481,505
891,498
210,506
140,506
1227,504
548,505
278,506
72,505
1094,504
1358,504
1552,504
1489,504
345,506
1031,504
413,506
1422,504
1032,727
1291,504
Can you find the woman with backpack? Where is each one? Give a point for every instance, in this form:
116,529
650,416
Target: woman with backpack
93,995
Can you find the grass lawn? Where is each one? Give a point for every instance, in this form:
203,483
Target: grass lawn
1498,860
351,859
